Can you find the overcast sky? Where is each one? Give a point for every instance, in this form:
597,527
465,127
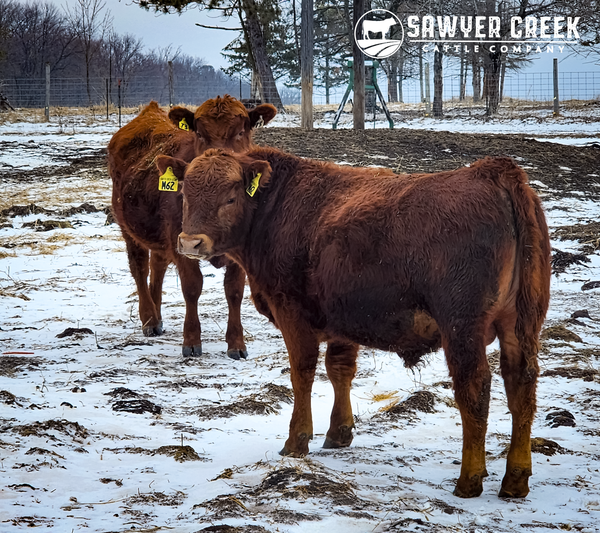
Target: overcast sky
158,31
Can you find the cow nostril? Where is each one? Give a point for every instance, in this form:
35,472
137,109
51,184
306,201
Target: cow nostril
198,244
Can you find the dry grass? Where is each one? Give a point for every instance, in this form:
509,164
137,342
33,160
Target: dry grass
57,194
383,396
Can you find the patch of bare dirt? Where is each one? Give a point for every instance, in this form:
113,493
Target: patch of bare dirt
560,418
48,429
157,498
224,528
34,209
411,151
10,364
559,333
420,401
571,372
266,402
546,446
586,234
181,454
562,260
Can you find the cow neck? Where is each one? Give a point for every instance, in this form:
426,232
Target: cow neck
257,244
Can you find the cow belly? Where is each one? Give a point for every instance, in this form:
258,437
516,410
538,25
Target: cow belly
386,320
142,217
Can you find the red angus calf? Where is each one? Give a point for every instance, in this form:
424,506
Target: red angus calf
403,263
150,219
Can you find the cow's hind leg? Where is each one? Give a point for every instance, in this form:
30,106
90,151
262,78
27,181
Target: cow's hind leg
191,287
139,267
158,267
468,365
340,361
235,279
519,371
303,349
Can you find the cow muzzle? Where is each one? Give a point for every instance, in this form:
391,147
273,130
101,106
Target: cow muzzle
194,246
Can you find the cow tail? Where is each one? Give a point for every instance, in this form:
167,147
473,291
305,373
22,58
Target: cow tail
533,258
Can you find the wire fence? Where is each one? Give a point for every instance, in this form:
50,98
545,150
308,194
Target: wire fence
517,87
78,92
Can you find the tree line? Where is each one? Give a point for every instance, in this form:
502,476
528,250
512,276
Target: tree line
79,42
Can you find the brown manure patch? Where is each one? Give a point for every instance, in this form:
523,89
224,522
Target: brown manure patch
420,401
559,333
586,374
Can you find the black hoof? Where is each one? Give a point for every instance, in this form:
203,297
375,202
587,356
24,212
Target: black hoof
192,351
284,452
155,331
237,354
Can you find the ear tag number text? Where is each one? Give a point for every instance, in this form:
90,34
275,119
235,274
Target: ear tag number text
168,181
183,125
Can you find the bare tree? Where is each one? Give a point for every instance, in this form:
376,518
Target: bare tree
249,14
38,35
126,54
89,23
8,15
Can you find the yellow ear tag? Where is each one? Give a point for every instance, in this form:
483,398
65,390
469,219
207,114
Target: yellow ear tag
253,187
183,125
168,181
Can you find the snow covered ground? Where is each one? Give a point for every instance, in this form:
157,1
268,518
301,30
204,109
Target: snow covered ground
111,431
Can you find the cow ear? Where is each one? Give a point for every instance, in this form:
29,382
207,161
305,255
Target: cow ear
261,115
178,166
182,118
256,176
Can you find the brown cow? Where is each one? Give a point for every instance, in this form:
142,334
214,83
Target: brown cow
403,263
150,220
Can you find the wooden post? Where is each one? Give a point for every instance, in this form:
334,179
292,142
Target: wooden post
47,109
358,107
306,62
427,92
170,84
119,95
556,101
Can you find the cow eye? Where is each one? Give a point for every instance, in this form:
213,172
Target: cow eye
231,201
240,134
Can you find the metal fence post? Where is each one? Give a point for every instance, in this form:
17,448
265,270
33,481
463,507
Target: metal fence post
106,98
119,103
47,109
427,92
556,102
170,84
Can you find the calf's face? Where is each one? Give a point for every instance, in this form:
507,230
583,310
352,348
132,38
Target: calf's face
219,197
223,122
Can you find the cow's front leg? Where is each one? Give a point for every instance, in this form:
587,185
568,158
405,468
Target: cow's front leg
303,349
235,279
191,287
340,361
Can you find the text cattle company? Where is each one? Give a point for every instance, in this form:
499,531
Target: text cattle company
455,31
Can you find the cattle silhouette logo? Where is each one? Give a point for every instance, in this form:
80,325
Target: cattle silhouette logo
379,33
